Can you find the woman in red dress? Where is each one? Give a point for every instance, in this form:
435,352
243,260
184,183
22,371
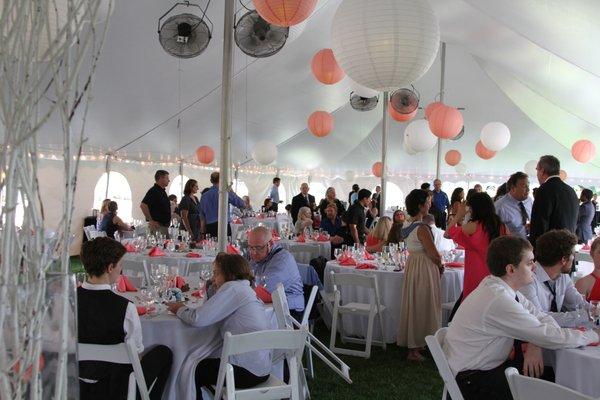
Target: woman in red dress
589,286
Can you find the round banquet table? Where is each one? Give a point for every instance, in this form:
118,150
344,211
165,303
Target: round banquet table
304,252
390,286
578,368
135,261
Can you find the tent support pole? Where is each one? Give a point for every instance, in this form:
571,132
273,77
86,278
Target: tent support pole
107,170
442,79
384,138
226,89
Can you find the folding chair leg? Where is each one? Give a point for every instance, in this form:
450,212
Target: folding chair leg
334,321
369,336
382,333
309,363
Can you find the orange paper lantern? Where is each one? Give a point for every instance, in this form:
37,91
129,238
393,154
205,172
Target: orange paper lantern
284,12
445,122
205,154
583,151
432,106
399,116
325,68
563,175
377,169
453,157
320,123
483,152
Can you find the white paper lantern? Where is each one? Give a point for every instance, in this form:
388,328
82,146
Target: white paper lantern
418,136
530,168
407,148
495,136
264,152
385,44
349,176
461,169
361,90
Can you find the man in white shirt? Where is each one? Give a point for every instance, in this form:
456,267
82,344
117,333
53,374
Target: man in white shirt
441,243
552,289
493,320
514,209
104,317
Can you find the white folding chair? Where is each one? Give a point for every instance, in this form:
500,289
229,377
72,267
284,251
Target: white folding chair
291,342
371,310
526,388
435,343
122,353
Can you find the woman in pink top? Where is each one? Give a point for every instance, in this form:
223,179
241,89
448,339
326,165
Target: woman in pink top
475,236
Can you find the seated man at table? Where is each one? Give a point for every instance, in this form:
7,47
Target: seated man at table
333,225
552,289
486,333
272,264
104,317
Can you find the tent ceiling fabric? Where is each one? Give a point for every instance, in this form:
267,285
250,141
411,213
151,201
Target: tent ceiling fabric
525,63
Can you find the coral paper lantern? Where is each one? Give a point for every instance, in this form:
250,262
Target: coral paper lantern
325,68
399,116
205,154
377,169
445,122
320,123
563,174
284,12
583,151
432,106
453,157
385,44
495,136
483,152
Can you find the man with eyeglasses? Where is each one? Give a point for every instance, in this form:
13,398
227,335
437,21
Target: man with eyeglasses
272,264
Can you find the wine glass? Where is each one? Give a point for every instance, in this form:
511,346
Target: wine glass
337,253
595,311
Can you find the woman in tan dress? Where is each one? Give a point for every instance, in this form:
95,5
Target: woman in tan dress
421,312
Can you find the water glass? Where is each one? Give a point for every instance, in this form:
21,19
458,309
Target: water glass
337,253
595,311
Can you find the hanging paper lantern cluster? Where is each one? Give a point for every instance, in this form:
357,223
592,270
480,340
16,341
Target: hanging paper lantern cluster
399,116
432,106
284,12
445,122
377,169
264,152
583,151
483,152
495,136
205,155
531,167
418,137
320,123
368,36
452,157
325,68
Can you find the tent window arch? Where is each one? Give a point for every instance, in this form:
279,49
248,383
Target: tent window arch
394,196
318,190
118,190
240,188
177,185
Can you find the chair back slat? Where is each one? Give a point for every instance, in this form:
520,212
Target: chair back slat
435,343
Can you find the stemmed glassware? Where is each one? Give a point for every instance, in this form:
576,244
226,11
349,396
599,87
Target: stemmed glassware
595,311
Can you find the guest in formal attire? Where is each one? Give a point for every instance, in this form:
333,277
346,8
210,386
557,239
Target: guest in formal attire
209,206
421,312
112,223
475,237
104,317
331,198
440,204
371,213
555,205
441,243
379,235
552,289
267,205
304,220
457,198
353,195
589,285
478,188
302,199
377,197
355,218
272,264
174,209
398,219
333,225
500,192
236,309
514,208
247,206
493,320
103,211
190,210
274,193
586,215
156,206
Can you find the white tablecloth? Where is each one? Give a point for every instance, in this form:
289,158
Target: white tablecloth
390,285
304,252
578,369
134,261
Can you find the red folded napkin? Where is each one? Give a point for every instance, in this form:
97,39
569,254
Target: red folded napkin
141,310
130,248
193,255
179,282
197,293
301,239
455,265
365,266
156,252
368,256
237,221
263,294
586,247
125,285
347,261
231,249
323,238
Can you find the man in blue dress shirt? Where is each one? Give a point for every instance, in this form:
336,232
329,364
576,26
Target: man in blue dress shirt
209,206
274,195
514,209
440,204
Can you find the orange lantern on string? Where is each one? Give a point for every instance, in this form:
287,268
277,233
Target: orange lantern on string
377,169
453,157
483,152
583,151
284,12
399,116
325,68
320,123
563,174
205,154
432,106
445,122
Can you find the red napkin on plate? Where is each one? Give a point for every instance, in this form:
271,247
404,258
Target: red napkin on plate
300,239
366,266
156,252
368,256
130,248
231,249
193,255
125,285
347,261
323,238
263,294
197,293
179,282
586,247
141,310
455,265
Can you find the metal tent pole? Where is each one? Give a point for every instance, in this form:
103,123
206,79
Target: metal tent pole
442,78
384,138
